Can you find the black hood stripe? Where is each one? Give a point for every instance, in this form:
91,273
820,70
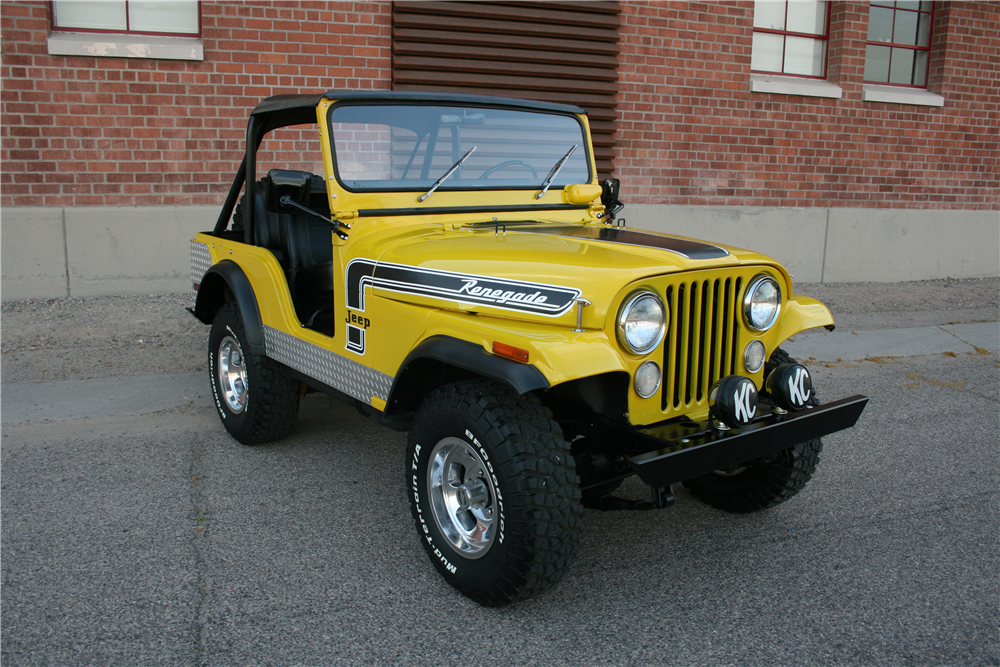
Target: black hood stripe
503,293
683,247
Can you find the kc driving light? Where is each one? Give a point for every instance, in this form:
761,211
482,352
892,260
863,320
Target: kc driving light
762,303
734,401
790,386
642,322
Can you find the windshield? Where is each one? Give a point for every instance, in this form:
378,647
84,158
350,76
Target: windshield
411,147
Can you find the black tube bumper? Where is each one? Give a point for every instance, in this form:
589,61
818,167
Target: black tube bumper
674,452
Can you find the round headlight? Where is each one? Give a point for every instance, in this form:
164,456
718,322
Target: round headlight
647,379
762,303
642,322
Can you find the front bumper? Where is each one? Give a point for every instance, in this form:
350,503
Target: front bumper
670,452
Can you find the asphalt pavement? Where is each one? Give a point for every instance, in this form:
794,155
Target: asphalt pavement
135,531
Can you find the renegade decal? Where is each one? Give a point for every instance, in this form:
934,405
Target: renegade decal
514,295
682,247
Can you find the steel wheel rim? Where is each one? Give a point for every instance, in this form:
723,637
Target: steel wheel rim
232,375
462,497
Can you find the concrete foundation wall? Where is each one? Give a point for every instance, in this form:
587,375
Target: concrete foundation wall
843,244
93,251
90,251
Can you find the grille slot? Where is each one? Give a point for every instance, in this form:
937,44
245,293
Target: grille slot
701,343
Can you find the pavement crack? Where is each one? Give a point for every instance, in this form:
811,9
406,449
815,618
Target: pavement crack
978,350
200,542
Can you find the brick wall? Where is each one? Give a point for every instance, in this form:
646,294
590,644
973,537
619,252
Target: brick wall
113,131
80,131
691,132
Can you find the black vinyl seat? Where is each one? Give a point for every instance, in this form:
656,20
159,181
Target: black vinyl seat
303,246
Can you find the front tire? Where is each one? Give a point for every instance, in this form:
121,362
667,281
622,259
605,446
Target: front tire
764,482
493,491
255,397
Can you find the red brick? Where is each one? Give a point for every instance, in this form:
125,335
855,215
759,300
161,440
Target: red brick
816,152
117,131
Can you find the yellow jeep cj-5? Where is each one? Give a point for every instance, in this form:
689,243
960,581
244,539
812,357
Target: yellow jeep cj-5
458,272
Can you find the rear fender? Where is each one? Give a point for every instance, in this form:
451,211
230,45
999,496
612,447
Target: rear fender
223,282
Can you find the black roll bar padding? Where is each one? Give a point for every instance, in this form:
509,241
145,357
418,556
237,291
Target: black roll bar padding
250,159
231,199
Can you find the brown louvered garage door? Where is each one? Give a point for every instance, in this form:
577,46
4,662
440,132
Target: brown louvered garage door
563,52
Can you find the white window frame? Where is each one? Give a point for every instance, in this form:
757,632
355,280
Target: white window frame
80,41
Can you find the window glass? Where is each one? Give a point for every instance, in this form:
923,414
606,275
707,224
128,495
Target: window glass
807,17
779,44
106,15
880,24
172,17
901,67
920,59
804,56
877,63
409,147
175,16
899,38
769,14
766,54
905,30
924,31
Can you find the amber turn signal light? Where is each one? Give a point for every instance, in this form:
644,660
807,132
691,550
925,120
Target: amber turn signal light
509,351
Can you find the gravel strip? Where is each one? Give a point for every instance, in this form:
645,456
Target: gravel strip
96,337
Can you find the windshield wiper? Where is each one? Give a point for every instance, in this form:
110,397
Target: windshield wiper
555,171
449,173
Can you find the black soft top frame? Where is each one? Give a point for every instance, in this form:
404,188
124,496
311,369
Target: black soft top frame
283,110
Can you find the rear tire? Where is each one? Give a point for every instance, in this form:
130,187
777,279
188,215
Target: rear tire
255,397
764,482
493,491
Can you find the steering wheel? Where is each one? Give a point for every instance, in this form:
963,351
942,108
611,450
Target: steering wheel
508,163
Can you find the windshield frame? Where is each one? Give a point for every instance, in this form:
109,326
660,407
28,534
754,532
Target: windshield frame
444,188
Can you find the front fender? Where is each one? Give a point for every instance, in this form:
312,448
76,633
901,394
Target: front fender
458,346
559,353
801,313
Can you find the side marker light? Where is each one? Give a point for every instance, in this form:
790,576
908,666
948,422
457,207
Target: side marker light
509,351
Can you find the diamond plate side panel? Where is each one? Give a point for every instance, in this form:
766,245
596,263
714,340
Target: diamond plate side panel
201,261
350,377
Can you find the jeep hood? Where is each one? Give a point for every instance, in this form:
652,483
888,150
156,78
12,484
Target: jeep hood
536,271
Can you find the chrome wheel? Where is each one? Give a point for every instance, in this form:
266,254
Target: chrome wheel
462,497
232,374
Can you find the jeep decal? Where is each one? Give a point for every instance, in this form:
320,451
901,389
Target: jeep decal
514,295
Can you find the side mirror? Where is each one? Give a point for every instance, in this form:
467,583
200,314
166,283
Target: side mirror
609,191
296,185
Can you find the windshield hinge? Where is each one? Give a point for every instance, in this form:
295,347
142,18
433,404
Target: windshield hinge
345,215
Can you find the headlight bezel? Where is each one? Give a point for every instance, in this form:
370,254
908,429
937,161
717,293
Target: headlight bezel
748,297
626,308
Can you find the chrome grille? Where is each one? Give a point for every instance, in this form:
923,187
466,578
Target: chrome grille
701,341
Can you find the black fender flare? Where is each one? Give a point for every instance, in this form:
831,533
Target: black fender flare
211,297
466,360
